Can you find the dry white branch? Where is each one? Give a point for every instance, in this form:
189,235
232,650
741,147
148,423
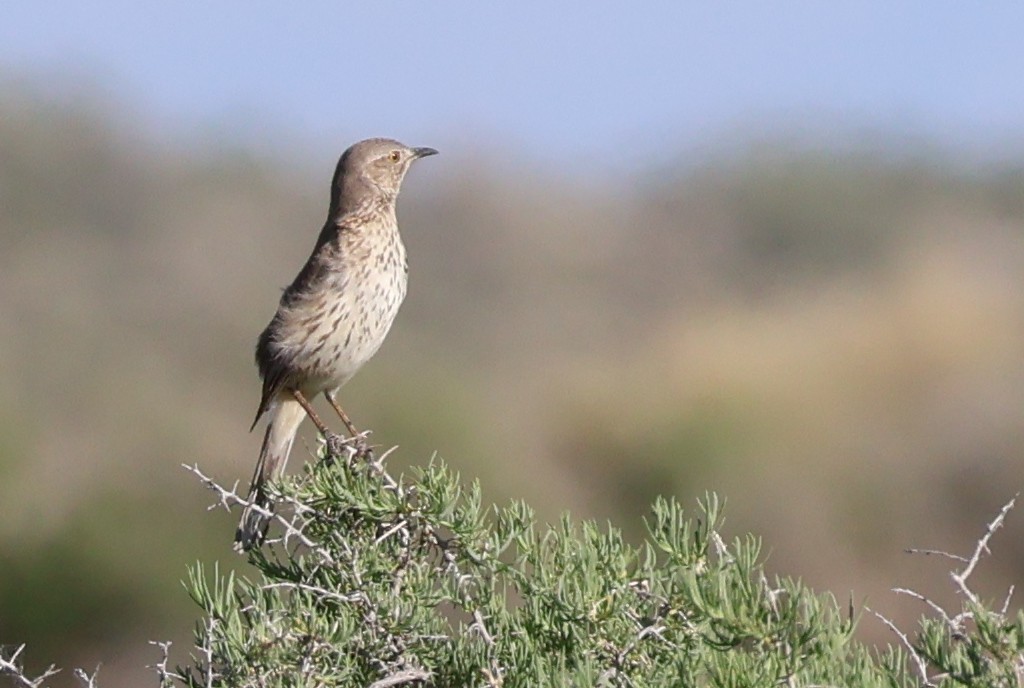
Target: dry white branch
165,675
480,627
228,498
954,623
87,680
936,553
960,577
322,592
400,677
391,531
935,607
922,666
207,651
9,666
1006,603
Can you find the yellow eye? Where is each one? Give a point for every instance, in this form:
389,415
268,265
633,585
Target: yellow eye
394,156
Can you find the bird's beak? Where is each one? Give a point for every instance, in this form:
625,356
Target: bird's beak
423,152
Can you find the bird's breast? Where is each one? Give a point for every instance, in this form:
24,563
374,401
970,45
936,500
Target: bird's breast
344,322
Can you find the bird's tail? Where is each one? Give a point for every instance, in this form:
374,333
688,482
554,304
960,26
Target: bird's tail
285,417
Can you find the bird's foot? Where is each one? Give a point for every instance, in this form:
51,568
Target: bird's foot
363,448
338,447
354,447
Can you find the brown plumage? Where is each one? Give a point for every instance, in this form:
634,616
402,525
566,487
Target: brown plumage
335,314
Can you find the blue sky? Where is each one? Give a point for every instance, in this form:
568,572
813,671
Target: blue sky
565,82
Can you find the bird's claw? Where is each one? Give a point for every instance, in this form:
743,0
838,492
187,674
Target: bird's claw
349,447
363,449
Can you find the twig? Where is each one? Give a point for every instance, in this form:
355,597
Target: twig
960,578
918,596
495,671
937,553
1006,602
228,498
87,680
404,676
9,667
922,667
165,675
479,627
207,651
323,592
391,531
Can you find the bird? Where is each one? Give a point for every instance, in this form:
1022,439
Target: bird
335,315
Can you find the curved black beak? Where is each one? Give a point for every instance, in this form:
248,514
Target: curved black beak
423,152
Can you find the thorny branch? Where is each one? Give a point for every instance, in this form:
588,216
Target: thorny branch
228,498
409,533
408,529
87,680
982,548
400,677
164,675
10,666
953,622
922,666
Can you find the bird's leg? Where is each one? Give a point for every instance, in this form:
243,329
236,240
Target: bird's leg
341,414
333,441
304,403
362,448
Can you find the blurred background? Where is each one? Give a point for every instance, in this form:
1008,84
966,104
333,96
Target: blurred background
774,252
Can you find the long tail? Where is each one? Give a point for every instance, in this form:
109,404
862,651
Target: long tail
285,417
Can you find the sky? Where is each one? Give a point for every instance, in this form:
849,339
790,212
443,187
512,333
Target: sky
572,83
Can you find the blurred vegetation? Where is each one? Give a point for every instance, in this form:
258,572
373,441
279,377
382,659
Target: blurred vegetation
831,338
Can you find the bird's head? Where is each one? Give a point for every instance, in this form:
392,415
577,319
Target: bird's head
373,166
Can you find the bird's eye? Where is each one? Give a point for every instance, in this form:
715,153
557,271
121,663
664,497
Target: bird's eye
394,156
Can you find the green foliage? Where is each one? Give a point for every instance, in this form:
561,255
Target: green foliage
381,582
988,656
413,580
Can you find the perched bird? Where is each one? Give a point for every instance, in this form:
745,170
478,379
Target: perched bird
332,319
